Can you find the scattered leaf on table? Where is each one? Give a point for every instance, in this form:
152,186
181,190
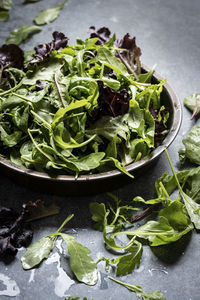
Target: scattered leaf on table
38,210
155,295
35,254
48,15
82,265
192,146
127,263
192,102
98,211
23,32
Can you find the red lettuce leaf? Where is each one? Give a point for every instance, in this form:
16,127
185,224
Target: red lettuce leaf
111,103
43,50
15,232
11,56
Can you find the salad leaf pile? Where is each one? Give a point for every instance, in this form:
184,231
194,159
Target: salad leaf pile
79,109
172,219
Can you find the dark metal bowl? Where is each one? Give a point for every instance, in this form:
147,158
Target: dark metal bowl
96,183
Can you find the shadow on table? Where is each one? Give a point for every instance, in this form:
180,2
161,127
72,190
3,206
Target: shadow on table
171,253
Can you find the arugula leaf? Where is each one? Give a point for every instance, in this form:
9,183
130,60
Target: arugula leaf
98,212
192,146
77,109
22,33
127,263
81,264
49,15
192,102
40,250
170,227
192,207
106,58
37,252
193,210
155,295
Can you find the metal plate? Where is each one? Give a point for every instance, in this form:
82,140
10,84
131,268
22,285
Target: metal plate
96,183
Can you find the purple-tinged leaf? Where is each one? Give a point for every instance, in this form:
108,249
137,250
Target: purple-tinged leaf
43,50
11,56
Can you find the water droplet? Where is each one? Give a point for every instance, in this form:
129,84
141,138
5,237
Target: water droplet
11,287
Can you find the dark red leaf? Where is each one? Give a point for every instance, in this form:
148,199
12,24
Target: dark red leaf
42,51
103,34
110,102
11,56
15,232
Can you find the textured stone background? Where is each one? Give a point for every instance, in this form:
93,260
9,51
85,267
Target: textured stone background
168,33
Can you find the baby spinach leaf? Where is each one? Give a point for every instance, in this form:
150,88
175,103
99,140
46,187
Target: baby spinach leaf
49,15
81,264
88,162
22,33
37,252
12,139
192,146
155,295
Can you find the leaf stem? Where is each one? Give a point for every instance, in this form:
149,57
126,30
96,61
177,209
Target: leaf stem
65,222
22,97
165,191
128,286
127,65
142,214
41,119
57,85
174,173
12,89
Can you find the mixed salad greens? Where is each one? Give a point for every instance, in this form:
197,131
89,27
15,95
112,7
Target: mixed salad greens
79,109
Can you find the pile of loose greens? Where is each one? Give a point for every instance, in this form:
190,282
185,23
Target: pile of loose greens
171,220
78,109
